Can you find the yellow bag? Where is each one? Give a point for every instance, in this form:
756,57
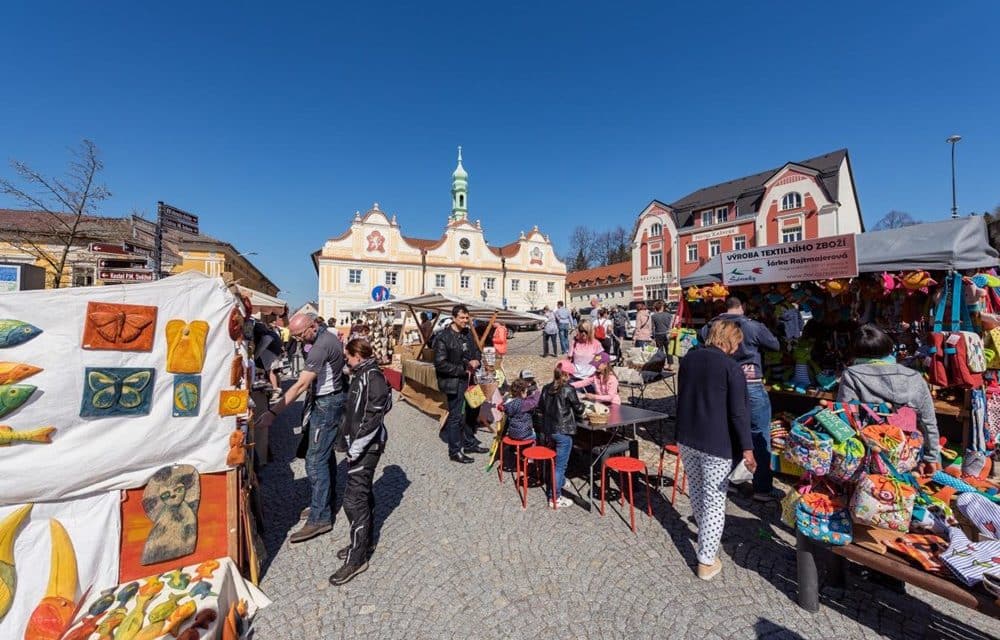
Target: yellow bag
474,396
992,350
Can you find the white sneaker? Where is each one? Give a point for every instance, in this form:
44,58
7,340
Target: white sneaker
562,502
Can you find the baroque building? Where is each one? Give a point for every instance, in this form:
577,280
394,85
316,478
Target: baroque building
373,252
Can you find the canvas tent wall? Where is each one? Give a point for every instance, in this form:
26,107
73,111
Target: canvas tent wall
962,243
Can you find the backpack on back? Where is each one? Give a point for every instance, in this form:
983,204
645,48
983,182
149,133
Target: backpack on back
600,332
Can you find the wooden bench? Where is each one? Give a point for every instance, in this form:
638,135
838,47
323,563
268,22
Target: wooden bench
835,575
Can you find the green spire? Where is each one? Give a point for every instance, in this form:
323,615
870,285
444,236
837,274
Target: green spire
459,191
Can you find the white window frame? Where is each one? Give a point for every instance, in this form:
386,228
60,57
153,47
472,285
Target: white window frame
791,234
464,282
391,278
714,248
533,286
721,215
742,241
791,200
550,287
656,258
656,230
354,276
489,284
440,281
515,284
692,252
706,218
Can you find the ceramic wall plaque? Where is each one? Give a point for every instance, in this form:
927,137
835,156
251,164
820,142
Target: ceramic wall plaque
12,396
117,391
171,501
119,327
15,332
186,345
187,395
233,402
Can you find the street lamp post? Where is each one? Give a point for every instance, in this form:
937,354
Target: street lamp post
953,140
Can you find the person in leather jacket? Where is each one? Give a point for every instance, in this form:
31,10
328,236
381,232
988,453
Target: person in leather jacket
561,409
455,355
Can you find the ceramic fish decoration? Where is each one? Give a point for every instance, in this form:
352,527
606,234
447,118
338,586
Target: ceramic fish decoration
202,590
8,577
103,603
179,616
186,345
41,435
13,396
117,391
53,615
205,570
132,623
15,332
11,372
177,579
127,593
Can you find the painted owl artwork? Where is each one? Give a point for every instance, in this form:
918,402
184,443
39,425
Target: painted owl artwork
170,501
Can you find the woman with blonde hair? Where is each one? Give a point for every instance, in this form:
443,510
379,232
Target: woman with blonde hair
583,349
713,428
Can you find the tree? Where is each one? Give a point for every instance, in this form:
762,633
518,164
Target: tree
895,220
67,203
582,245
531,297
579,262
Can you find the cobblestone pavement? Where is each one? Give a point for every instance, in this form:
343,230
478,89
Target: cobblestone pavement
457,557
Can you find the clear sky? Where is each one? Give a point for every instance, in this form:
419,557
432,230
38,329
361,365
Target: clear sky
275,122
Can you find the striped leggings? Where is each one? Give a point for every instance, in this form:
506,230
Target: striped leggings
707,483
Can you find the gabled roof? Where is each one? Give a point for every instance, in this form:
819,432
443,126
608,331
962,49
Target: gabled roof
422,244
746,191
601,275
508,250
44,223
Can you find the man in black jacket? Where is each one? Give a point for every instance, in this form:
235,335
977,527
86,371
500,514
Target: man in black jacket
455,356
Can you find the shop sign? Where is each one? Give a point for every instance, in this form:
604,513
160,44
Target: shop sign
819,259
119,275
10,278
716,233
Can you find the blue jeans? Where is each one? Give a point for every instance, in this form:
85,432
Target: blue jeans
563,338
321,461
760,433
564,444
547,340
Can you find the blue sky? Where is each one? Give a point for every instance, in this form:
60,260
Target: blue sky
274,122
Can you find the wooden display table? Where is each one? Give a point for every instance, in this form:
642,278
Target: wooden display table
420,389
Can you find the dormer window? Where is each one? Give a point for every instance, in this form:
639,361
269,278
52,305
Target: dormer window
706,218
656,230
721,214
792,200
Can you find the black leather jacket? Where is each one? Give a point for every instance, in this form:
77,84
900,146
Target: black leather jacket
560,409
452,353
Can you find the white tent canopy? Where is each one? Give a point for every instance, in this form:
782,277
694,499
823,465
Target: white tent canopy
440,303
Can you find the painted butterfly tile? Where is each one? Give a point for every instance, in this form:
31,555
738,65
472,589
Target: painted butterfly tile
119,327
117,391
187,395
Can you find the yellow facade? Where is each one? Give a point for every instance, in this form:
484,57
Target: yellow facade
223,260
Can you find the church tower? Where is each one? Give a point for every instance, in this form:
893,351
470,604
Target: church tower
459,192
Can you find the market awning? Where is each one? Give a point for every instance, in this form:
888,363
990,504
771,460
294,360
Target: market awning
263,303
440,303
962,243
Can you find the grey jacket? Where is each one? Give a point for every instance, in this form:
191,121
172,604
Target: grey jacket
899,385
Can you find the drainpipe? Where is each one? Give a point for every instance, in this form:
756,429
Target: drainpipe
503,281
423,271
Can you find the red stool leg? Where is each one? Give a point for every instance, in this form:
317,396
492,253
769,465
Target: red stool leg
631,501
677,465
604,483
621,490
659,474
649,505
524,486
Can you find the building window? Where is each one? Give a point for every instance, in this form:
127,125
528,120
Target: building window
390,278
463,282
706,218
533,286
490,284
656,230
461,200
791,234
515,284
354,276
438,279
83,276
792,200
721,214
656,259
739,243
550,287
692,253
714,248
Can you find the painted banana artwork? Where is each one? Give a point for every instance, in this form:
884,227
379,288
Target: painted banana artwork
8,576
41,435
52,616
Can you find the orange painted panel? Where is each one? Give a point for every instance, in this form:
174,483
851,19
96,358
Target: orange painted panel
119,327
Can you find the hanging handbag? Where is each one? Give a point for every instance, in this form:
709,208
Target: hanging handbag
681,341
937,364
993,415
811,450
822,517
474,396
882,497
884,437
847,458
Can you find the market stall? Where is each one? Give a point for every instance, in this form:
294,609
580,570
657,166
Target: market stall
419,380
122,449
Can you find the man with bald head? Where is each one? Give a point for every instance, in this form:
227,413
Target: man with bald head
323,372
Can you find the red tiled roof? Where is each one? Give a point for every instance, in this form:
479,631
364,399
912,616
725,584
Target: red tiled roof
508,250
612,273
41,222
420,243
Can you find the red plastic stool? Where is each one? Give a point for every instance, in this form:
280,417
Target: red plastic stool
538,454
628,466
678,468
507,441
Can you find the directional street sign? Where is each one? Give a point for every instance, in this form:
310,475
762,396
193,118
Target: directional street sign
125,276
173,218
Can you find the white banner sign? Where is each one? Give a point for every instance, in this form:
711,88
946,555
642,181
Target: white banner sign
819,259
712,235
